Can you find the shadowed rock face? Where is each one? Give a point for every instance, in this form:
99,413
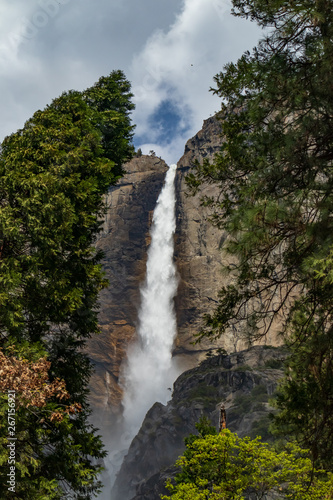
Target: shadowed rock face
124,241
243,381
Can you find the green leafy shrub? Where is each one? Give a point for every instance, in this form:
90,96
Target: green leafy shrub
224,466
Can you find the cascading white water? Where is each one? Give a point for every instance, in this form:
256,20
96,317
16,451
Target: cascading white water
149,371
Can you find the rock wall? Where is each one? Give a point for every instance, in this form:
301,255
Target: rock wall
243,381
199,258
200,255
124,241
197,247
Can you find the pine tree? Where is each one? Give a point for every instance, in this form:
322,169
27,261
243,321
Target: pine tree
275,177
53,174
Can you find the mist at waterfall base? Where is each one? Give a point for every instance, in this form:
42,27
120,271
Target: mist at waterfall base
148,373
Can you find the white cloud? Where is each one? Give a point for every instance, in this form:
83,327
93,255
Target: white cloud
49,46
169,50
179,64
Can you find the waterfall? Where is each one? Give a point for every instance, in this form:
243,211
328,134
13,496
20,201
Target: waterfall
149,374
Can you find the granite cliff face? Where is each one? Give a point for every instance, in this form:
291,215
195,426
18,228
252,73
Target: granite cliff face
197,247
124,241
199,257
243,381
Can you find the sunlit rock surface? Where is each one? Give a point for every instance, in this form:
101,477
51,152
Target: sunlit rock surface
124,241
197,247
199,256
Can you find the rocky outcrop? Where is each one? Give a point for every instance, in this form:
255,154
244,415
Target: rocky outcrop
243,381
200,255
124,241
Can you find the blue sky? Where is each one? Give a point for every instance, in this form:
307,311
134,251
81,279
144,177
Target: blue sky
169,120
170,50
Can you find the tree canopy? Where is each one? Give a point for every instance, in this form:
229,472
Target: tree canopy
224,466
53,174
275,177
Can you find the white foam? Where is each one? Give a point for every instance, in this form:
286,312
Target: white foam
148,372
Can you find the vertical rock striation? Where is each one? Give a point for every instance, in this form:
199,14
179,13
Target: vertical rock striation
198,247
124,241
200,255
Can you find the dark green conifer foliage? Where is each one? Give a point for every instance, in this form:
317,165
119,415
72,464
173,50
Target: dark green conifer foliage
53,174
276,178
111,97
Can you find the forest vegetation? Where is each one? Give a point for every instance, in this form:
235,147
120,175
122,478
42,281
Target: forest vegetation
53,174
222,466
275,179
